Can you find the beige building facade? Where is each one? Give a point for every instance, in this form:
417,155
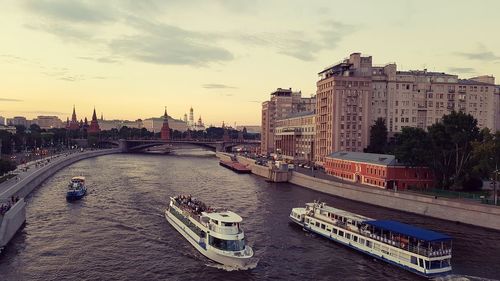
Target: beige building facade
343,104
294,136
352,94
420,98
282,103
48,122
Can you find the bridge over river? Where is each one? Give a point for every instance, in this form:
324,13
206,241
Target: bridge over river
134,145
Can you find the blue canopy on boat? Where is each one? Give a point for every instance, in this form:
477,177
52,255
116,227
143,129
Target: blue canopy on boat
410,230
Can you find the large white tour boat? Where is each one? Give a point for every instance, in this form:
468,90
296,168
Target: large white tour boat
415,249
214,233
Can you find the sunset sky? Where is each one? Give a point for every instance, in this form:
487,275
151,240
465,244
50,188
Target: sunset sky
131,58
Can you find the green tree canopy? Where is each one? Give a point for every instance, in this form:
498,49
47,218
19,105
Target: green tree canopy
378,137
412,147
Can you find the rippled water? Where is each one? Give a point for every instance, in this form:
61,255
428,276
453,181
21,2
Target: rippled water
118,231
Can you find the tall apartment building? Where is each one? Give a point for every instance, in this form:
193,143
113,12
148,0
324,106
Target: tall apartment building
497,108
343,104
419,98
283,102
294,136
352,94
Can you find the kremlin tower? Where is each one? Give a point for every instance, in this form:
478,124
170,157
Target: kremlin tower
94,125
165,129
73,124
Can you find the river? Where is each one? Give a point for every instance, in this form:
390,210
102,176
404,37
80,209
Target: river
118,231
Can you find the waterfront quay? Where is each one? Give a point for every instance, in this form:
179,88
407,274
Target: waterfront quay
472,213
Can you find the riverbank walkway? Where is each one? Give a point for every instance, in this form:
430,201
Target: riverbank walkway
26,172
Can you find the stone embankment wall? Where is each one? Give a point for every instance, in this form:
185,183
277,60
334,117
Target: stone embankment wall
452,210
28,184
11,222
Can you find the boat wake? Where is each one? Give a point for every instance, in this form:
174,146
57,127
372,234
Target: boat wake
456,277
251,265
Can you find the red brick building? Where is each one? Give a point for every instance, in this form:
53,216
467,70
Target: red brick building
379,170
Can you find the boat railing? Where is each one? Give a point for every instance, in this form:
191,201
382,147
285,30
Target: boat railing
419,250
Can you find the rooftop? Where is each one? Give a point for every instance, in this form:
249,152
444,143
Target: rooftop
409,230
373,158
224,216
424,72
340,212
472,82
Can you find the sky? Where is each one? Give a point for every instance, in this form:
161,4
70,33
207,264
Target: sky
129,59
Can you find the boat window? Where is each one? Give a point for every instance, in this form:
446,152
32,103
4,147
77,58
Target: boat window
317,224
361,241
341,233
307,220
436,264
334,231
446,263
421,263
355,238
348,235
227,224
323,226
368,243
413,260
227,245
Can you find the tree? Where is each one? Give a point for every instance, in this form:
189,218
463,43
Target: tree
412,147
486,154
452,140
6,166
378,137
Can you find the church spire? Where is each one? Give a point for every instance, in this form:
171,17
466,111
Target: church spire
94,116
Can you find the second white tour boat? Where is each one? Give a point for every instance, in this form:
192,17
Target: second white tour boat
421,251
214,233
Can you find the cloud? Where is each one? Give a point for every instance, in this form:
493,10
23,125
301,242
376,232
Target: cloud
70,78
167,44
482,56
108,59
41,112
217,86
72,11
10,100
301,45
464,70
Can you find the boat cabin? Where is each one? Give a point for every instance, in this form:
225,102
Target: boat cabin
225,222
417,240
76,182
339,217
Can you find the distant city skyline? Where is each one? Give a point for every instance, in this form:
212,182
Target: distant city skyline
128,59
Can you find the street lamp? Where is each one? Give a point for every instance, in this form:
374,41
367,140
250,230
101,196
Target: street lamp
495,197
